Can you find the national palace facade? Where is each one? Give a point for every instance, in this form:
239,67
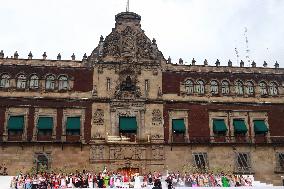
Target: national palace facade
127,107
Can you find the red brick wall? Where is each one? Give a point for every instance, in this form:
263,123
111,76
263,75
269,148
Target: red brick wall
171,80
199,118
59,123
31,124
2,122
45,103
83,77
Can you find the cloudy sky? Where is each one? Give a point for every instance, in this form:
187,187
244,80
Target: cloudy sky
185,29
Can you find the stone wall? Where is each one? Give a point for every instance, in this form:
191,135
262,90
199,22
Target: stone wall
148,157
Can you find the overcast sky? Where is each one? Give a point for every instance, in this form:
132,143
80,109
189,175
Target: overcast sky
185,29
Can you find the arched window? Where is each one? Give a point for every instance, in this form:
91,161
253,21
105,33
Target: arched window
263,88
214,88
189,87
50,82
239,88
21,81
34,82
200,88
225,88
250,88
63,83
5,81
273,89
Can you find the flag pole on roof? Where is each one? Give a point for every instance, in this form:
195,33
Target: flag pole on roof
127,6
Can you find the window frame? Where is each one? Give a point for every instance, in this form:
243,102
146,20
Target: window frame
203,158
216,87
263,90
21,81
189,87
200,87
34,82
50,86
5,81
225,89
239,88
63,84
273,89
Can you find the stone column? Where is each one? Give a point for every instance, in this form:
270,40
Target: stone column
142,124
113,120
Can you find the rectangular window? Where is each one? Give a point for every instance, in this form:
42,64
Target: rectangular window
200,161
45,126
146,85
15,125
108,84
243,163
279,162
73,125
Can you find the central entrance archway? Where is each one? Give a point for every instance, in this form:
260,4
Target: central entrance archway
128,172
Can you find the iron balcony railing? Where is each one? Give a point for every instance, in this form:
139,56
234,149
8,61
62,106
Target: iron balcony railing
230,140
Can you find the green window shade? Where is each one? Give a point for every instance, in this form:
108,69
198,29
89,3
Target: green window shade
178,125
45,123
73,123
219,126
16,123
128,124
240,126
260,127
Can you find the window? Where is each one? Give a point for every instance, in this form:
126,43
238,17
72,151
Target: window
108,84
250,88
42,162
273,89
62,83
15,125
200,161
21,81
239,88
200,88
240,127
263,88
225,88
214,87
219,127
73,125
5,81
279,162
189,88
45,126
50,82
146,85
243,163
34,82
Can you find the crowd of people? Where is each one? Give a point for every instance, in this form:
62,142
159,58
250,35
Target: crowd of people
106,179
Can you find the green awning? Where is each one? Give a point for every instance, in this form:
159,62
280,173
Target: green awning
178,125
260,127
240,126
16,123
45,123
219,126
128,124
73,123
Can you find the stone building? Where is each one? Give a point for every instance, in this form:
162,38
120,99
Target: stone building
127,107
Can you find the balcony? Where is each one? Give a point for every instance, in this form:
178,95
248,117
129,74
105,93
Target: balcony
240,139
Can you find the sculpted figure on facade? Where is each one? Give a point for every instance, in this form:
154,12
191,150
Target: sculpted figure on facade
98,117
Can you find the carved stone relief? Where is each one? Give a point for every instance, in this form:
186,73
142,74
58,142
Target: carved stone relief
98,117
158,152
156,117
97,152
127,152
